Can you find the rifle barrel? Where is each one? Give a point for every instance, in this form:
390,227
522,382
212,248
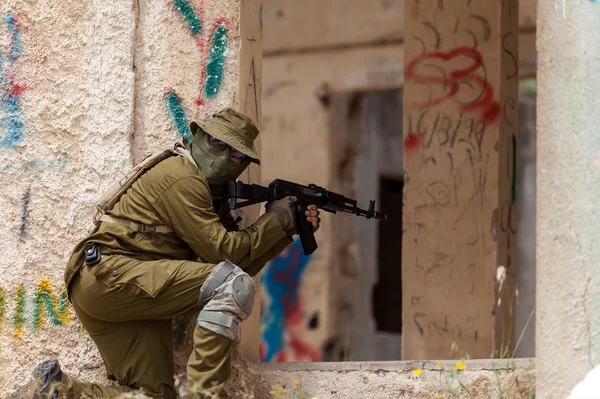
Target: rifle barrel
369,214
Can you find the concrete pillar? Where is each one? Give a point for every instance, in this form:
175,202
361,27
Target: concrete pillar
460,127
86,90
568,163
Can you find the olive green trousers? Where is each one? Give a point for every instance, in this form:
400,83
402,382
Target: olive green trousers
127,312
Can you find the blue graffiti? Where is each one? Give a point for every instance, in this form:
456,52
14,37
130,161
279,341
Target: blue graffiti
12,122
178,116
281,281
15,47
12,127
33,165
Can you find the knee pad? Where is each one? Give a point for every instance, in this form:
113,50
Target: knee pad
231,292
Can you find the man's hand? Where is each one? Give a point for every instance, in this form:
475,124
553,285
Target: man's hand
312,215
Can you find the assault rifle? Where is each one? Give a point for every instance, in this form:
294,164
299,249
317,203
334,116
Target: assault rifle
306,195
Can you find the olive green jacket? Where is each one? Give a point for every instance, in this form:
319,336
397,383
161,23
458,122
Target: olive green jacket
176,193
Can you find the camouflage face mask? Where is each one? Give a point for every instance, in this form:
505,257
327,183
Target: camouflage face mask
218,161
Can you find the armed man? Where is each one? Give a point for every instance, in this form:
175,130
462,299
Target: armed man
166,248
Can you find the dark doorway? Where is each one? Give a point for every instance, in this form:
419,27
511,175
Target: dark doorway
387,293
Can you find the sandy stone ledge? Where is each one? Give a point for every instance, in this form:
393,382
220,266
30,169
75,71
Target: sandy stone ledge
513,378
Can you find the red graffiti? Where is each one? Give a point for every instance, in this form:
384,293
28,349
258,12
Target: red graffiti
280,357
485,101
17,89
412,142
304,351
283,334
301,351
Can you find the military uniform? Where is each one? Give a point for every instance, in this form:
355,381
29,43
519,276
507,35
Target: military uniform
126,301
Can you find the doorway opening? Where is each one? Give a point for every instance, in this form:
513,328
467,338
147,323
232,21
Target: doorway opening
387,292
376,132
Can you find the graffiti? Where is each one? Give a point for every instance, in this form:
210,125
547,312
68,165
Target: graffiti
12,127
515,73
56,309
29,165
185,9
20,311
260,13
212,57
283,316
451,82
514,169
216,62
44,306
23,229
178,115
2,306
465,125
412,142
448,131
213,48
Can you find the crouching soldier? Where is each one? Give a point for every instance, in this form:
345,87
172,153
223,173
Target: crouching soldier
164,249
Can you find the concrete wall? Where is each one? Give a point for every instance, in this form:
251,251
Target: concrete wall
298,145
385,380
568,188
87,89
315,53
322,25
381,155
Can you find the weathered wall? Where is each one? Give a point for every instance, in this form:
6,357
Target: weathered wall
319,25
568,188
380,133
87,89
315,51
296,128
190,38
461,135
386,380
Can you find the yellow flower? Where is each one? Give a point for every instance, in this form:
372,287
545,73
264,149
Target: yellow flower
441,397
440,363
461,366
296,384
417,372
277,392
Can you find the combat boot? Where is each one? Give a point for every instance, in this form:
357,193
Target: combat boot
45,382
48,376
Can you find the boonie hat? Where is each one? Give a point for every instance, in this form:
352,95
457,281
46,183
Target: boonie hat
233,128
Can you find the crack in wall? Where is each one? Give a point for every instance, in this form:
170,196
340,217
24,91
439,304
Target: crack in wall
587,322
584,301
